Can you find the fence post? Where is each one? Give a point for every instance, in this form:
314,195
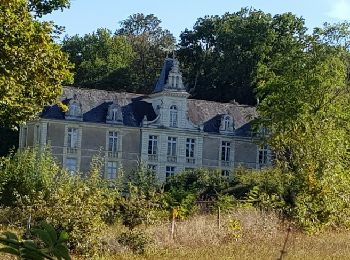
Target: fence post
219,218
172,219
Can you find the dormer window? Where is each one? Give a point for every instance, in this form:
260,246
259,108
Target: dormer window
114,114
226,124
74,110
173,116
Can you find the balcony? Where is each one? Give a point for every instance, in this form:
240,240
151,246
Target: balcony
112,154
72,150
190,160
225,163
172,159
152,158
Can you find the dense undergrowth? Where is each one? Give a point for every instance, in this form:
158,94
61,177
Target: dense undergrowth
132,212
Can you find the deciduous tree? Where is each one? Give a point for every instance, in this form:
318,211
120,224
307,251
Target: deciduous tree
32,66
101,59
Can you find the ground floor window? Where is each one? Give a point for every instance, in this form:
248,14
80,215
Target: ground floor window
112,168
169,171
71,164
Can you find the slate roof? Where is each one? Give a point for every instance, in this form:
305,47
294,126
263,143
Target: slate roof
168,64
94,105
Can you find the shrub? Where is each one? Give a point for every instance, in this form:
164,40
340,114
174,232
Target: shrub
134,240
29,173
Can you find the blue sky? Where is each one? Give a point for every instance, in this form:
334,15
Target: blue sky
85,16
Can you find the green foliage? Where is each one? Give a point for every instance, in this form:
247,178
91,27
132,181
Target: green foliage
42,7
305,107
225,202
235,227
101,59
134,240
144,201
150,43
221,53
184,190
34,187
47,244
29,173
33,66
9,139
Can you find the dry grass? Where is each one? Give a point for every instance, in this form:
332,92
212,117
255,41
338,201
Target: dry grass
261,237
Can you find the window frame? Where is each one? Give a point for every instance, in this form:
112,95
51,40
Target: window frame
152,148
225,155
173,119
111,170
72,137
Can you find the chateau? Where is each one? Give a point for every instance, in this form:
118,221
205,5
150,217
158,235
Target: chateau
166,130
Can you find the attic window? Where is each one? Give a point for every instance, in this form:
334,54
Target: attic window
226,123
114,114
74,110
173,116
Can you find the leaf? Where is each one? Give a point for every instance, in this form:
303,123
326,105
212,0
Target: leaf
10,250
63,237
61,251
44,236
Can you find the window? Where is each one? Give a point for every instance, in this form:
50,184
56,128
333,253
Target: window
225,153
37,134
169,171
71,165
112,168
263,155
173,116
190,142
226,123
152,167
112,143
152,144
225,173
73,110
114,114
72,140
171,152
24,136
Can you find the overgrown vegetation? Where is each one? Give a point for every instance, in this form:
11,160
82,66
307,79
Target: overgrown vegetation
33,188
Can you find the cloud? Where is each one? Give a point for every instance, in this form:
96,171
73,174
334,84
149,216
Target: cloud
340,9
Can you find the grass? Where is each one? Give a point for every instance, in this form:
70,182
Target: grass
261,236
244,234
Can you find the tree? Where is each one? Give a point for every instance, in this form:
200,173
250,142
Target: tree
150,43
221,54
101,59
42,7
32,66
304,103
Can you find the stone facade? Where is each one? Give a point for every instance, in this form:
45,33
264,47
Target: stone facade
166,130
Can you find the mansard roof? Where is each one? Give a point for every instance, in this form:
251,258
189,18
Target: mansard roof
95,103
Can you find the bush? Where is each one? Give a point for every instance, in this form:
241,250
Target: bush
29,173
76,203
134,240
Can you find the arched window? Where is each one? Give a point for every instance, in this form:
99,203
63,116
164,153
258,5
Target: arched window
114,114
226,123
173,116
74,109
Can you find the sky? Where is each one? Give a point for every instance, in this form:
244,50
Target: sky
85,16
